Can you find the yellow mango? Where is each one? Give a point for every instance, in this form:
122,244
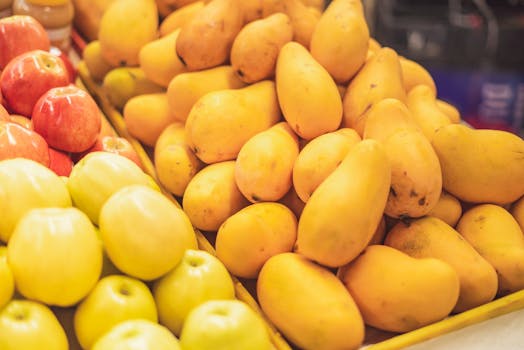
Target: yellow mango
186,88
341,39
95,63
146,116
293,202
307,94
451,111
176,19
430,237
212,196
221,122
167,7
319,158
480,166
421,101
125,27
248,238
317,4
497,236
447,209
256,47
413,74
393,292
373,48
379,78
332,229
309,304
175,163
517,210
252,10
416,178
264,165
205,40
159,61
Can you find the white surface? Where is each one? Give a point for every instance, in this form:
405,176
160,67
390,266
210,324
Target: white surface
504,332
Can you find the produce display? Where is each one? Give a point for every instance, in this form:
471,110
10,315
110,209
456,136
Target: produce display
321,167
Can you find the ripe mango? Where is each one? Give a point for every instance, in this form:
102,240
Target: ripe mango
451,111
413,74
96,64
517,210
176,19
447,209
293,202
308,304
421,101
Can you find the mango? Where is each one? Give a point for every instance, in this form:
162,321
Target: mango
307,94
480,166
413,74
497,236
393,292
380,232
430,237
447,209
308,304
176,19
448,109
212,196
256,47
264,165
332,229
517,210
248,238
340,40
293,202
221,122
96,64
319,158
167,7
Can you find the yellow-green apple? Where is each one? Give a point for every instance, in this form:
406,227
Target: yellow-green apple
71,70
100,174
19,34
60,162
114,299
55,256
21,120
24,185
137,334
7,283
18,142
28,325
68,118
144,233
28,76
224,325
113,144
198,277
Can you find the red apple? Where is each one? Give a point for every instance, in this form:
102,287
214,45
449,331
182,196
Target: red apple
68,118
19,34
113,144
67,62
28,76
60,162
21,120
17,141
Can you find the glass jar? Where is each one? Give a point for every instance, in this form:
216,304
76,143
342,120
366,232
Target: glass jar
56,16
6,8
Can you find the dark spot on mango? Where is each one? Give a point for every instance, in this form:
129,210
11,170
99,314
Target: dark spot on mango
240,73
373,85
413,193
480,218
255,198
422,201
181,58
405,219
392,191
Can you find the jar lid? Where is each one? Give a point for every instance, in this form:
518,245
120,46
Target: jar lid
48,2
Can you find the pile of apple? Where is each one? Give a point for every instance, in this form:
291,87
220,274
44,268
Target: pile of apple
43,115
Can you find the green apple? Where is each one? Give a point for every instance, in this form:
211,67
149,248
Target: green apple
100,174
55,256
137,334
7,283
24,185
198,277
144,233
224,325
29,325
114,299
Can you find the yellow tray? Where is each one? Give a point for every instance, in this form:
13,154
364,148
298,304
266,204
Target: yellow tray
375,339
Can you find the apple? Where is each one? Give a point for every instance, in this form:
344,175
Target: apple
60,162
66,262
20,34
25,185
137,334
113,144
114,299
21,120
100,174
19,142
28,76
68,118
6,278
71,70
224,325
144,233
26,324
198,277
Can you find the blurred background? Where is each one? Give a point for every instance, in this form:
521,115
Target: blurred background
474,50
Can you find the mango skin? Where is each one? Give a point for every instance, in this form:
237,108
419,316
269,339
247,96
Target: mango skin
448,209
480,166
296,293
430,237
497,236
393,292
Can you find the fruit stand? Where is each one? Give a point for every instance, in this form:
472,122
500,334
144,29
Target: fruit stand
281,181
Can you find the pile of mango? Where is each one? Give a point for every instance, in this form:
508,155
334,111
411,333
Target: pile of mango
323,165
